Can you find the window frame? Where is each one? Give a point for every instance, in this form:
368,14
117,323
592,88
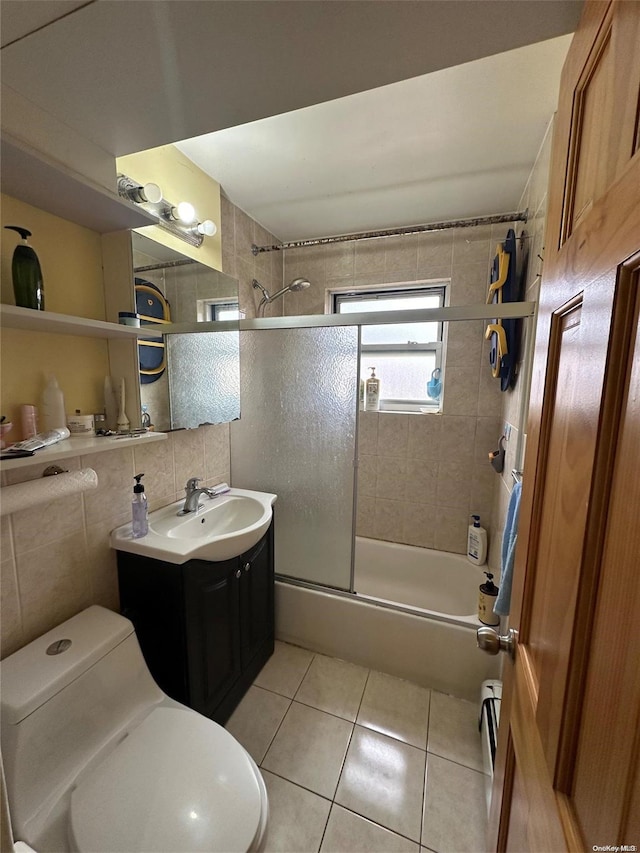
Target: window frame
339,296
208,308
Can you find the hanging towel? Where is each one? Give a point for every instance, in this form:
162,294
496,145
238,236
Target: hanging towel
509,539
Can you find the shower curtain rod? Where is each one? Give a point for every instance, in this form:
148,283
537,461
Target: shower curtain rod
164,266
494,219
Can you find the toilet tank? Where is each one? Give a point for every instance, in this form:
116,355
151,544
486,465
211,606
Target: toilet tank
66,697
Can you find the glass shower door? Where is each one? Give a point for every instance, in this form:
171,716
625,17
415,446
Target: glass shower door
296,437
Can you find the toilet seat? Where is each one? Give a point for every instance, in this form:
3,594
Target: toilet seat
176,782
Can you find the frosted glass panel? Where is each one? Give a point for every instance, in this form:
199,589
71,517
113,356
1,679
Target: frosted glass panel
296,437
204,378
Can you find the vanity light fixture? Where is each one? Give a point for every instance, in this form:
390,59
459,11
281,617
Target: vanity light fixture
150,193
179,220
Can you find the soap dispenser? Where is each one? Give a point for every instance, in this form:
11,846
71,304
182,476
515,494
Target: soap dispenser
372,393
487,596
139,512
28,288
476,542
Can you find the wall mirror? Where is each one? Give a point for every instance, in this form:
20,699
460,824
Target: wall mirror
185,379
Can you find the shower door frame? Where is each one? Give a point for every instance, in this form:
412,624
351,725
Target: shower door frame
511,310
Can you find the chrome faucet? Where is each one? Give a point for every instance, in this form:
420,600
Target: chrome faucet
192,492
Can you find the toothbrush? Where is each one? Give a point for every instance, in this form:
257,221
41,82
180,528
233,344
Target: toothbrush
122,423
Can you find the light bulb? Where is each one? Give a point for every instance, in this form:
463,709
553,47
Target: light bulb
151,193
208,228
186,212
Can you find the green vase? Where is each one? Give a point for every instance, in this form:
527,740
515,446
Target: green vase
28,288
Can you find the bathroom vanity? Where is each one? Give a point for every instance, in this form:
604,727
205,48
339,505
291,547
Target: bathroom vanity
206,628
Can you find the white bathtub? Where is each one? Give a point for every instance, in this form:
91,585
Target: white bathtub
433,645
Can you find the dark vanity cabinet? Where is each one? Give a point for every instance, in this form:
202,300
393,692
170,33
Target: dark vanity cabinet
205,629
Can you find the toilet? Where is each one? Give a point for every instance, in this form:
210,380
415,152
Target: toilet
98,758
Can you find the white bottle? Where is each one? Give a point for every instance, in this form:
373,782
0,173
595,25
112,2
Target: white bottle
139,510
477,542
52,412
372,393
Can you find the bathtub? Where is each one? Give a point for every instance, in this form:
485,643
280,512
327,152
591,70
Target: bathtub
413,616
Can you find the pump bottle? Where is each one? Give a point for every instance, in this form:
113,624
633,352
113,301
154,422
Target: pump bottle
372,393
486,599
28,288
139,511
477,542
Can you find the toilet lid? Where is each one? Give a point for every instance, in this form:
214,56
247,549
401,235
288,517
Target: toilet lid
176,782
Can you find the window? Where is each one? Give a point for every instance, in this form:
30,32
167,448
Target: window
404,354
218,309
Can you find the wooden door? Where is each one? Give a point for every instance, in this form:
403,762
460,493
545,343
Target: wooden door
567,774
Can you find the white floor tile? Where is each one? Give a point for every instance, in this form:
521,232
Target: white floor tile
383,780
285,669
256,719
396,708
347,831
453,730
297,818
334,686
309,749
455,813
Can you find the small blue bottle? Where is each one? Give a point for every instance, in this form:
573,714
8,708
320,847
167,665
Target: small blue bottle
139,511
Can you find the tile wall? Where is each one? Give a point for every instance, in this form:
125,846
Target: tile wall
239,234
56,558
421,475
534,198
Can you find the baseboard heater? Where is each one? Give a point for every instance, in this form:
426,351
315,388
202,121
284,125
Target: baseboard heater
489,718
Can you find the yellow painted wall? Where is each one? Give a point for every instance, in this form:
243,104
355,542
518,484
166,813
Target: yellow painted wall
71,261
180,180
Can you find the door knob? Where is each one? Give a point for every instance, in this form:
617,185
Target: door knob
491,642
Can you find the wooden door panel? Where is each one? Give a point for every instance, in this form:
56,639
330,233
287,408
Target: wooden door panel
610,727
568,762
575,378
593,158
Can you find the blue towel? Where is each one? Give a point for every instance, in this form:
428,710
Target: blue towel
509,539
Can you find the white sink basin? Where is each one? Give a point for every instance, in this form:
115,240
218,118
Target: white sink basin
225,527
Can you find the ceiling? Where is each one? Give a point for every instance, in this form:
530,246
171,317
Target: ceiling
454,143
134,75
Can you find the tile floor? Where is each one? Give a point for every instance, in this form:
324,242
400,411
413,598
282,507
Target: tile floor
355,760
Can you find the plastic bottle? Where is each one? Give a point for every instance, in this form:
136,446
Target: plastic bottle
477,542
361,396
28,420
372,393
139,511
486,600
52,411
28,288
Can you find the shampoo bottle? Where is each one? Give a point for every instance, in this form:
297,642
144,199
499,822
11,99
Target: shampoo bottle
53,415
372,393
139,512
477,542
486,600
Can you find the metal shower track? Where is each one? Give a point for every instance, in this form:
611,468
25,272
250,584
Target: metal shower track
495,219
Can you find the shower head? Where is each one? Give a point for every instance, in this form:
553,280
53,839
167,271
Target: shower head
296,285
299,284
